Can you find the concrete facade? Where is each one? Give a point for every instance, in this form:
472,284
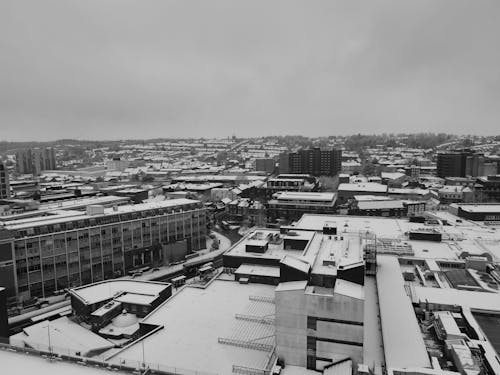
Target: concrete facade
315,327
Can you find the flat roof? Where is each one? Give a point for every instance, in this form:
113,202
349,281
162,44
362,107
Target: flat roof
194,319
65,335
275,250
104,290
472,237
364,186
296,263
105,308
373,352
457,297
403,342
81,202
136,299
309,196
331,248
479,208
67,215
258,270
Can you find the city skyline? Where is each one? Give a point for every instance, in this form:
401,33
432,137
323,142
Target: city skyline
135,70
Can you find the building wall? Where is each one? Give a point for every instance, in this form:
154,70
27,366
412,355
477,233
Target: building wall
315,161
291,327
67,258
314,328
295,212
4,322
450,165
283,163
4,182
265,165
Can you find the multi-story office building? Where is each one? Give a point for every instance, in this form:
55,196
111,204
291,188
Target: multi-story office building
315,161
4,182
292,205
460,163
34,161
40,255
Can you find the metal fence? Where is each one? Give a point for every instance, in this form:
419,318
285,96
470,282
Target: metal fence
117,363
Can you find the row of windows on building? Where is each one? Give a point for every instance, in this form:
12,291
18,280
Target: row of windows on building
84,256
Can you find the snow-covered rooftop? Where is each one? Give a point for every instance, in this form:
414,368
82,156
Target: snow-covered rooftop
62,216
292,285
192,321
104,290
403,342
488,208
365,186
65,337
258,270
305,196
349,289
296,263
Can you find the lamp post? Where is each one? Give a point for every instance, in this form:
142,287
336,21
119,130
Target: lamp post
48,334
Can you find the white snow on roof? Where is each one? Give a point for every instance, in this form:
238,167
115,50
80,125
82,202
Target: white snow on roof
305,196
258,270
292,285
392,175
108,289
488,208
365,186
193,320
448,322
349,289
296,263
63,216
65,336
403,342
373,352
456,297
275,250
136,299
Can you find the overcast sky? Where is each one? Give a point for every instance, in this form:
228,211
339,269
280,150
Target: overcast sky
115,69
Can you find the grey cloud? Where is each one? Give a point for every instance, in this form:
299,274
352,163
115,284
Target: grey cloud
155,68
